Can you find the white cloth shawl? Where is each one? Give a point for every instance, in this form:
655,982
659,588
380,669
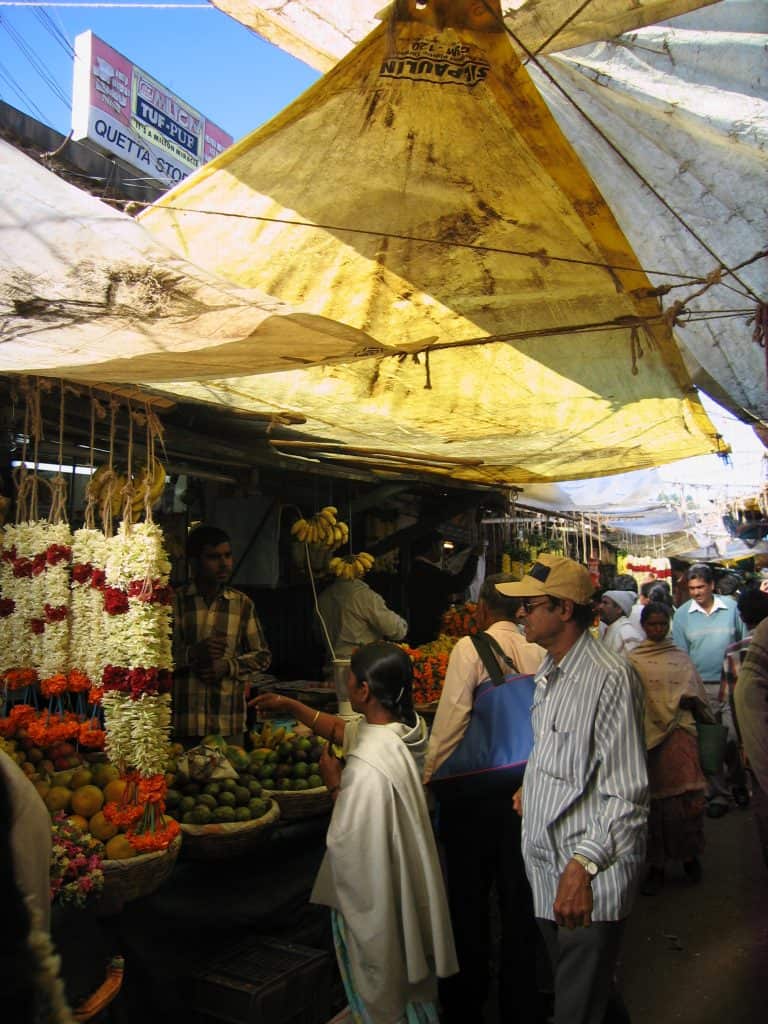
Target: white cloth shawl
381,872
30,841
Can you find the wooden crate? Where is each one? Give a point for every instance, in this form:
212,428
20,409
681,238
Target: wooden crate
265,981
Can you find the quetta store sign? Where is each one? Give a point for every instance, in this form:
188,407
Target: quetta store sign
126,112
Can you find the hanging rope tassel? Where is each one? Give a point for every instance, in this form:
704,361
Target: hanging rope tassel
760,329
59,485
635,348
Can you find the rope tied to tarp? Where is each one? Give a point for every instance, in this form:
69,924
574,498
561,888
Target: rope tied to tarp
57,512
759,320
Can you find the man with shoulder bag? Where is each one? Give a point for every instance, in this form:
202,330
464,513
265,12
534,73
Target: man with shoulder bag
477,750
584,800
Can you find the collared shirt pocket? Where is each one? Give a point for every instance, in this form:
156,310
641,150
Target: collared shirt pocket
561,756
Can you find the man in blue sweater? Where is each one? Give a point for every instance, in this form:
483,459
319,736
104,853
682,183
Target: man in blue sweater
703,627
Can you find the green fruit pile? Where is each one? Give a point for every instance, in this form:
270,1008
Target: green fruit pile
219,800
292,766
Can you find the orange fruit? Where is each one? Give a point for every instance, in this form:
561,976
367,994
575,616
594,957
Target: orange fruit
57,799
113,791
119,848
87,800
101,828
79,820
42,787
81,777
104,773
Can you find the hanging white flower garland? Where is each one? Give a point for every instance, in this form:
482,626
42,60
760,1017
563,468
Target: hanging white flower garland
34,615
87,651
137,624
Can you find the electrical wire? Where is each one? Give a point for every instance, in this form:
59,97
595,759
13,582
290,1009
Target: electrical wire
6,75
540,255
34,62
54,31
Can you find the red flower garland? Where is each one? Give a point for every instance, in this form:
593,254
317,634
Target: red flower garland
81,572
137,681
115,601
56,553
55,614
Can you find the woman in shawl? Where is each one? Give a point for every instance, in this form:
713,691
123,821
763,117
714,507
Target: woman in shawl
674,699
381,874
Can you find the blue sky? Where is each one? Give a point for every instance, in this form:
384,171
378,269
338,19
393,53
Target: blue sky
217,65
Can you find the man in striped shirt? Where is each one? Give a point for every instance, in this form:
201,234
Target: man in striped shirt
218,644
584,799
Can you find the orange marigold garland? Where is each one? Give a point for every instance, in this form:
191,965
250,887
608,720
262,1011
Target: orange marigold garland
460,620
430,663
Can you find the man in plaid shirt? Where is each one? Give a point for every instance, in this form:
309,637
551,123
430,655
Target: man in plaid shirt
218,644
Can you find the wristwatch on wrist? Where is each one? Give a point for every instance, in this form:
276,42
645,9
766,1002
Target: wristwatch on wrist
589,865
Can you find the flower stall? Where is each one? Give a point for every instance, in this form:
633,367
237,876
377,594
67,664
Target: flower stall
85,646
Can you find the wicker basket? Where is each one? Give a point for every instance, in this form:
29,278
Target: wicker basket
301,803
220,840
126,880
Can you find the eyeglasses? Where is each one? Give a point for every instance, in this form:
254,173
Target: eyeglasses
530,605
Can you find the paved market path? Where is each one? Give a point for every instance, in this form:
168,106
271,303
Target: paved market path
699,954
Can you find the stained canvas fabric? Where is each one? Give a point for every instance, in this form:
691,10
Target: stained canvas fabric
422,193
667,106
87,293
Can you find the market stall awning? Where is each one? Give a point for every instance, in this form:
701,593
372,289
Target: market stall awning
87,293
672,123
670,120
421,192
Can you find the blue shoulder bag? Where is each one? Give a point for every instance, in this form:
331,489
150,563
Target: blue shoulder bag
494,750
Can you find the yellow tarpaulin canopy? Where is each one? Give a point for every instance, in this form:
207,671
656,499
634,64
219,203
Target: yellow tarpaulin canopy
421,192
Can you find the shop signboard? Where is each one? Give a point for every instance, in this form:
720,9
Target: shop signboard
127,112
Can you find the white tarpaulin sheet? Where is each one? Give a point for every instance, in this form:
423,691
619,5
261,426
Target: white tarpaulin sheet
87,293
321,32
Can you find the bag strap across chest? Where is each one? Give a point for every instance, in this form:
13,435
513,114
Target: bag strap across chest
493,657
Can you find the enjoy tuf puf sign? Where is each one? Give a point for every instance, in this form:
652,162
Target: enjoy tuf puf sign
126,112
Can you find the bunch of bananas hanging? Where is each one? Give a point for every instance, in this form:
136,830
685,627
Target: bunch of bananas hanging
351,567
322,528
107,489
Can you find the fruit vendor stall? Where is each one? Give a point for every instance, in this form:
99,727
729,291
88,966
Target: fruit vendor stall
219,837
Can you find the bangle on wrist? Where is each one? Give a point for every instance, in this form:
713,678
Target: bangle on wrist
314,720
